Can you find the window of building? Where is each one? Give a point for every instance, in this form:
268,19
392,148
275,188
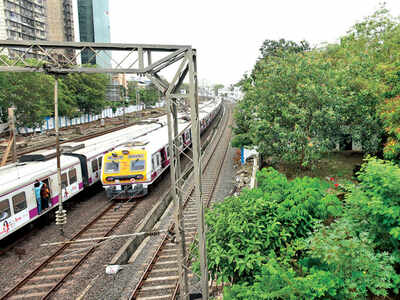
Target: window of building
64,180
5,211
95,165
72,176
19,202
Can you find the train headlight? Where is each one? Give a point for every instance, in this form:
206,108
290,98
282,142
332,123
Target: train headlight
140,176
109,178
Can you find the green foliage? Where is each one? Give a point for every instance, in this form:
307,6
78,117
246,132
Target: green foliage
338,264
299,102
350,257
83,92
33,95
290,113
375,204
217,87
30,93
271,48
297,240
390,115
148,95
245,230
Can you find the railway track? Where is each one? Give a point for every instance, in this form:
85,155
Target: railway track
50,274
160,278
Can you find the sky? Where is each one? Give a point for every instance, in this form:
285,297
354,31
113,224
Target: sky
228,33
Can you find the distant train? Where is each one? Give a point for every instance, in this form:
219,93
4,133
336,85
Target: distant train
130,169
81,165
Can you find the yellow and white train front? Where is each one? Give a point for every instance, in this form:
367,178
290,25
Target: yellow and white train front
124,173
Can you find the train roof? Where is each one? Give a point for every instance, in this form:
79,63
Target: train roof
19,174
44,162
154,141
109,141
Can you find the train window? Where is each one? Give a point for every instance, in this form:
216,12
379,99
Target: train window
111,167
19,202
5,211
64,180
95,165
158,160
72,176
137,165
100,159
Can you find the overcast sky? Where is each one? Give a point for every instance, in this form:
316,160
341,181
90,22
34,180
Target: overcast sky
228,33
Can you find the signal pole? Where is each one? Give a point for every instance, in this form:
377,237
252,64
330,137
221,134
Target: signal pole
61,216
13,131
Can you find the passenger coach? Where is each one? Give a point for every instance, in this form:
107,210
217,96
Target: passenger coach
130,169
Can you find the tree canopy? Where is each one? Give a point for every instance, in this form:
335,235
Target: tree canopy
300,102
32,94
148,94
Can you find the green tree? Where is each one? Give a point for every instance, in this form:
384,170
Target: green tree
148,94
30,93
290,111
87,91
273,48
217,87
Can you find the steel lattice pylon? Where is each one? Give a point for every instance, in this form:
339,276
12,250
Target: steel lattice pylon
16,56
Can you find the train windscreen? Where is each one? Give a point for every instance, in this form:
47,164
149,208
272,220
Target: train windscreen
137,165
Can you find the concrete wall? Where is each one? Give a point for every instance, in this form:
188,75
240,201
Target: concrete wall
55,20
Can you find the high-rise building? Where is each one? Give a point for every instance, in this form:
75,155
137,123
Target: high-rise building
60,23
60,20
94,26
36,20
23,20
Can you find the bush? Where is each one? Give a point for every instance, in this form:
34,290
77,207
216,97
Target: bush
338,264
375,204
243,231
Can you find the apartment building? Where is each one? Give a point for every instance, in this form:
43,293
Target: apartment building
36,20
23,19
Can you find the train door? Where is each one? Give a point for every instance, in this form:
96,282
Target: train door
73,181
156,162
95,171
164,159
100,161
45,195
53,185
64,186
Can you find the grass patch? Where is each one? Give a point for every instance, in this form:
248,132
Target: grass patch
334,164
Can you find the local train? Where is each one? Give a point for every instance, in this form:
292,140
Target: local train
130,169
81,165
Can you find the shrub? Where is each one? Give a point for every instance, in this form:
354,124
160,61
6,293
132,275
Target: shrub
338,264
243,231
375,204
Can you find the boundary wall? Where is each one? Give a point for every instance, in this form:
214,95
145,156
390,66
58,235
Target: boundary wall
49,124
